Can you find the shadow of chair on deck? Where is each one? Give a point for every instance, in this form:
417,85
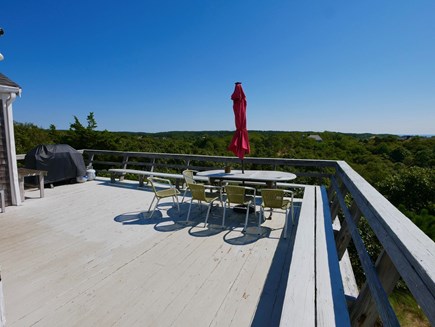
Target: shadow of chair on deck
249,236
233,226
158,220
131,218
214,225
171,220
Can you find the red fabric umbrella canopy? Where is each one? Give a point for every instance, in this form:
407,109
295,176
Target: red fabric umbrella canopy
240,143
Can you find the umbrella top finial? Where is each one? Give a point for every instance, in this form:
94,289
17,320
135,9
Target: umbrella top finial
238,83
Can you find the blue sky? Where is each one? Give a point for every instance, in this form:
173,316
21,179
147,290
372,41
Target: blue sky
149,66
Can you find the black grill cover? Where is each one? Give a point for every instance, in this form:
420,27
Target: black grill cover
60,160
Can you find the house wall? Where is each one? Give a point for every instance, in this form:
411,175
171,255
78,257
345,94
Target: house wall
4,170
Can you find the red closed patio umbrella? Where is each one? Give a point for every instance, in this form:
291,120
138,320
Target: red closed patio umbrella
240,143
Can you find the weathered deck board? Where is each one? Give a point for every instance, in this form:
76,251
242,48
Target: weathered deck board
299,303
84,256
331,307
314,294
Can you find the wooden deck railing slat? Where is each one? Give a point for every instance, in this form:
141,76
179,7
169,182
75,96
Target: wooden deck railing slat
363,310
343,237
380,297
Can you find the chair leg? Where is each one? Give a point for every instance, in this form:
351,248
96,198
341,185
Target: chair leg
286,223
184,195
260,218
151,203
188,213
178,204
158,200
223,217
208,213
247,216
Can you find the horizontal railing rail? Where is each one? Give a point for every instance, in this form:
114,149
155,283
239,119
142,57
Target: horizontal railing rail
152,161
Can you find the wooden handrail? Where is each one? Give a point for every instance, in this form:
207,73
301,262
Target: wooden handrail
193,161
220,159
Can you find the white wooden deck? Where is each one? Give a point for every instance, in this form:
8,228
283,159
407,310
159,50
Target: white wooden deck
84,256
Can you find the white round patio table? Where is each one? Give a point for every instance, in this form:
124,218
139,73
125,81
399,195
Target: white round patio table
270,177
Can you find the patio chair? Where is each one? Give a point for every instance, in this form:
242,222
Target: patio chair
199,194
188,179
275,199
164,189
237,195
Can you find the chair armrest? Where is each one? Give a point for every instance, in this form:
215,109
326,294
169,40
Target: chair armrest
251,189
160,180
214,187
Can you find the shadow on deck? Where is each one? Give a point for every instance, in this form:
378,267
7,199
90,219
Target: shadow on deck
271,301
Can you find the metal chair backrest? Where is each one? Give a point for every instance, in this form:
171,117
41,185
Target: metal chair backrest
235,194
188,176
197,191
151,180
273,198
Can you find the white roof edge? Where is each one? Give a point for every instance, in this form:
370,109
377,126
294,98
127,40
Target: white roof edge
10,89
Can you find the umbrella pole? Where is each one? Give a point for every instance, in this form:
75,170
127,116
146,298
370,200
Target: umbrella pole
243,166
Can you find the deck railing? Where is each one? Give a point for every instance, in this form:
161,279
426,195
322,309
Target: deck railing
407,252
169,161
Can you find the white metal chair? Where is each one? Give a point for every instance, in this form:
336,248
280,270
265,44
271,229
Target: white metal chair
188,179
275,199
168,190
199,194
237,195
